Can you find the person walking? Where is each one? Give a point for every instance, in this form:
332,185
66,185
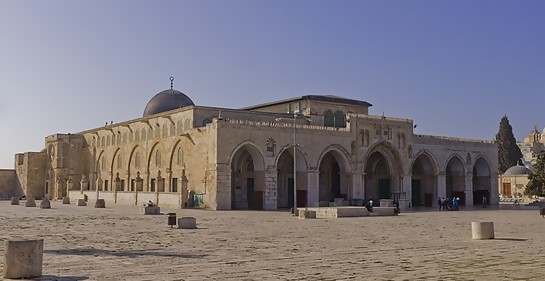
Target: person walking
485,201
440,203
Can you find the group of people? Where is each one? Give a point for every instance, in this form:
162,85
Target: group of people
445,204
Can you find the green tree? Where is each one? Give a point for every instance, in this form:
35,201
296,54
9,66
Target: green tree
508,150
536,185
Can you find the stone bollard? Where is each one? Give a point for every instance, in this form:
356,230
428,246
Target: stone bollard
14,200
482,230
45,204
23,258
30,202
66,200
100,203
187,223
81,202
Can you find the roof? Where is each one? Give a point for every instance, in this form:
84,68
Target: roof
326,98
517,170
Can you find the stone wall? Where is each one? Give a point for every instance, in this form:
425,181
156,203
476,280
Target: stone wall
31,172
9,186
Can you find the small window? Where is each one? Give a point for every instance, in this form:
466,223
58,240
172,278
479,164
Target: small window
329,119
152,187
119,162
158,158
174,184
137,160
180,157
165,131
340,121
179,127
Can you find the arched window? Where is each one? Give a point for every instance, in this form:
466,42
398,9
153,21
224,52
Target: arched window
329,119
187,124
102,164
179,127
157,131
165,131
118,138
410,151
340,121
150,134
108,141
366,138
124,138
143,133
102,142
158,158
119,162
172,129
403,140
137,160
180,157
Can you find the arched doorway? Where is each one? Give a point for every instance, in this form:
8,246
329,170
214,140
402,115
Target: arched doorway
332,180
455,179
378,178
247,179
285,182
424,181
481,181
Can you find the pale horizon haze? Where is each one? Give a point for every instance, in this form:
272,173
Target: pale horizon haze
454,67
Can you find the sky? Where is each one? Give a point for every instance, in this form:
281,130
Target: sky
454,67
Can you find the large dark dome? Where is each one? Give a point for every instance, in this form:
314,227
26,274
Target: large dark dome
167,100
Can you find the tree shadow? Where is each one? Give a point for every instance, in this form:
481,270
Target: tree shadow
130,254
510,239
59,278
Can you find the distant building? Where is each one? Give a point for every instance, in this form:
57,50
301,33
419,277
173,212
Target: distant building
532,146
180,154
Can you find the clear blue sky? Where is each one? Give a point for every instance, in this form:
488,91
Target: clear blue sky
454,67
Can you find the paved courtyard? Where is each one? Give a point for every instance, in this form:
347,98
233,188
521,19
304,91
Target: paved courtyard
117,243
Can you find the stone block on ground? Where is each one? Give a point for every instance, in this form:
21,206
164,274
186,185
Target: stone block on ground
45,204
150,210
187,223
100,203
14,200
81,202
30,202
482,230
23,258
66,200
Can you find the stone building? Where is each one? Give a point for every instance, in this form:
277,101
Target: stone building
532,146
514,181
225,158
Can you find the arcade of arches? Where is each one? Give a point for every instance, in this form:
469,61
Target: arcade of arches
382,179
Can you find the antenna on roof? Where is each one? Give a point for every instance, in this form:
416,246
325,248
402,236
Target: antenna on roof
171,82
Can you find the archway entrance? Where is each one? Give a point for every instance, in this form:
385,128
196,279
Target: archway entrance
247,179
285,183
455,177
424,183
481,181
331,182
378,178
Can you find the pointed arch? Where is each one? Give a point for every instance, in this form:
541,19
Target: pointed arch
255,152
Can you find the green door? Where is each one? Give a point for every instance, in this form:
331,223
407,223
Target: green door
384,189
250,192
290,192
416,193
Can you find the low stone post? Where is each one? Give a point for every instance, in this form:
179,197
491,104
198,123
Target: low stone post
66,200
45,204
307,214
14,200
23,258
100,203
30,202
482,230
81,202
187,223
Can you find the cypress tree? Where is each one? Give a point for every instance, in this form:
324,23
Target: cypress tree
508,150
536,185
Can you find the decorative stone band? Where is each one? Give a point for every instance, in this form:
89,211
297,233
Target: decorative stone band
284,125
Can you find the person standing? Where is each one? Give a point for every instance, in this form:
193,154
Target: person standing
440,203
485,201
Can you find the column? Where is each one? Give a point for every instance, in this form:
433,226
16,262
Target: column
270,190
494,197
223,188
138,187
469,189
358,190
183,190
442,185
313,188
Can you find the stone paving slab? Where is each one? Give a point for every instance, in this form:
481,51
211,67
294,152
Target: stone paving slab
117,243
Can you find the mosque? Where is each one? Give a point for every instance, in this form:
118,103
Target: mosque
310,150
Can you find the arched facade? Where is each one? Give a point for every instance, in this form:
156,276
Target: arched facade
455,179
334,181
247,177
424,188
382,172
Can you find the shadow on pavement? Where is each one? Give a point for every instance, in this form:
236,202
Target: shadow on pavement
130,254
